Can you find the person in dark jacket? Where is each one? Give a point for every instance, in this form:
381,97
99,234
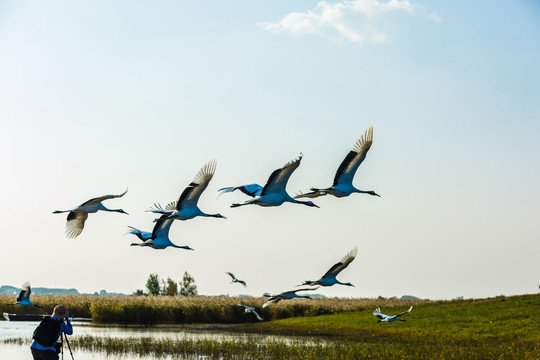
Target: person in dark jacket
48,352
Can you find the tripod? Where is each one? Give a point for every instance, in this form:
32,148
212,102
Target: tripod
62,337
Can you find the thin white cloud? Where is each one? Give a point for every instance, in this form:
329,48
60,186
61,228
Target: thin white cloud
360,21
435,17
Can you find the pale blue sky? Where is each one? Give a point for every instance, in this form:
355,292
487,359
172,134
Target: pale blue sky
98,96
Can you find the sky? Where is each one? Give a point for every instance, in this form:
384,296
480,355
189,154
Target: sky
97,97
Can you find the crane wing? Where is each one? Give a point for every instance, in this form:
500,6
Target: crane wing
103,198
337,268
272,300
250,190
171,206
290,292
25,292
190,195
21,296
162,226
380,315
405,312
348,167
75,223
231,275
278,179
143,235
257,315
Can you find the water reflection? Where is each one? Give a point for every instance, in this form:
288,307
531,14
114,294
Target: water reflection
11,329
23,329
17,352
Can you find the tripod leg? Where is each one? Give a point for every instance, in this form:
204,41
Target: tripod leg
69,347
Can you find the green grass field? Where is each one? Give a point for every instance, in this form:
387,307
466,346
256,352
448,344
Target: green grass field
499,319
494,328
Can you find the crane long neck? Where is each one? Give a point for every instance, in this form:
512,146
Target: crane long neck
213,215
115,210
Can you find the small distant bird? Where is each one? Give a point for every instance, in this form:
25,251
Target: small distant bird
274,193
186,206
159,237
287,295
329,278
250,190
235,280
24,296
345,173
249,309
77,216
389,318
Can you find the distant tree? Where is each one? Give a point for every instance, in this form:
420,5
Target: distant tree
138,292
163,289
152,284
187,286
172,288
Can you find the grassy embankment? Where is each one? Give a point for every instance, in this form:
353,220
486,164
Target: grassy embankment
496,328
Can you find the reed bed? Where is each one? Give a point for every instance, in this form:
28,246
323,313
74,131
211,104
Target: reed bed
150,310
78,305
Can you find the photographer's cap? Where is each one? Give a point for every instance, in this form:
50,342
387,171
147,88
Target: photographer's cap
59,311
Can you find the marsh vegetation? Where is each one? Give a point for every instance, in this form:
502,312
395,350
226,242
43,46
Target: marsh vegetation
494,328
151,310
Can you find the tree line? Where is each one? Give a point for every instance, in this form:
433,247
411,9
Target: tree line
155,286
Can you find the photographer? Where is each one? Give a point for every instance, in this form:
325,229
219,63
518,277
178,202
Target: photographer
47,333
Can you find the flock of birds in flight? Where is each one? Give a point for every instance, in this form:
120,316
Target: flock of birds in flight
273,193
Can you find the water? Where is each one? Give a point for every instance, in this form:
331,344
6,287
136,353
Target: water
18,329
24,329
17,352
14,329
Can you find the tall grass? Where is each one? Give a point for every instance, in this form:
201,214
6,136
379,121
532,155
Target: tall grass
142,310
78,305
257,348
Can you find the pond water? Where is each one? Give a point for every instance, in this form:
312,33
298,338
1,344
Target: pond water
24,329
17,352
18,329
